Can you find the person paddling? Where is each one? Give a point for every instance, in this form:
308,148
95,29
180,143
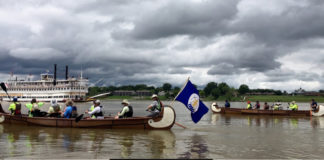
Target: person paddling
293,106
55,110
98,110
68,110
127,110
156,107
249,105
257,105
34,108
15,107
266,106
227,104
314,105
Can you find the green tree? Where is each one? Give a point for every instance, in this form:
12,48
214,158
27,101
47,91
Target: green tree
223,88
176,90
215,93
202,93
244,89
140,87
167,87
230,94
209,87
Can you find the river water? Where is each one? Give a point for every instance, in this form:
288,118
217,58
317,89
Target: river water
215,136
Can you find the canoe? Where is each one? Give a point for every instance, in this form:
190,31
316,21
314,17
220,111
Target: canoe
223,110
165,121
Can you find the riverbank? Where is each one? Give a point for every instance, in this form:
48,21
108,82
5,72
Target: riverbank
253,98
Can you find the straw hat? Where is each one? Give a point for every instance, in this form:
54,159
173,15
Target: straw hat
293,102
125,101
154,96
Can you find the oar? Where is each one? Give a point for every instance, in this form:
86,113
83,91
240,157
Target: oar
180,125
3,86
78,118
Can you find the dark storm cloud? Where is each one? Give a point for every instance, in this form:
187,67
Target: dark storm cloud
125,42
180,18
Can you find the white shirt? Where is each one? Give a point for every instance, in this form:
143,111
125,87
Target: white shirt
97,109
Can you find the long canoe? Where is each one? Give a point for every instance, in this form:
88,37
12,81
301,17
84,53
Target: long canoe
223,110
165,121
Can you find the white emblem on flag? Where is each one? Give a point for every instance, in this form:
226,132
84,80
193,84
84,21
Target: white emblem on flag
193,103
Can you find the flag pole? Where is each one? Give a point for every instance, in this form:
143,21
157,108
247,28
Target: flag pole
179,92
171,104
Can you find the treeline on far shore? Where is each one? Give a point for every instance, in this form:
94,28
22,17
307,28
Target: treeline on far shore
214,91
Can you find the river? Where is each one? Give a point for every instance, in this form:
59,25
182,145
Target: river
215,136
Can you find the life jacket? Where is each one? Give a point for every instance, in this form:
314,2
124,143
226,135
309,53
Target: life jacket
91,109
257,106
249,106
56,108
18,109
15,108
129,113
100,114
159,106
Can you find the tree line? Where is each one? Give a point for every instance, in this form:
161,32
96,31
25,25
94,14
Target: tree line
212,90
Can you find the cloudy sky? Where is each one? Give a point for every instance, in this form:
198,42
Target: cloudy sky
275,44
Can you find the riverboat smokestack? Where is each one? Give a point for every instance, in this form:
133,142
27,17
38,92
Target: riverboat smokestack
54,82
66,72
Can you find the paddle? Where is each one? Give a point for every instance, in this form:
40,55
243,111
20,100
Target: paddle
78,118
3,86
180,125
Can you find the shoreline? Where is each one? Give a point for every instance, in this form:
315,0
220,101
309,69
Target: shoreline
261,98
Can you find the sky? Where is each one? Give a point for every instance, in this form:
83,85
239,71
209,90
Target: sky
277,44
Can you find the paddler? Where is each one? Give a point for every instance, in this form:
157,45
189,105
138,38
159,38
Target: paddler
15,107
277,106
293,106
249,105
156,107
314,105
127,110
68,110
227,104
266,106
55,110
98,110
257,105
34,108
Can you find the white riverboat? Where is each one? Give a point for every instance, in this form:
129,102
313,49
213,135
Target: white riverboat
47,88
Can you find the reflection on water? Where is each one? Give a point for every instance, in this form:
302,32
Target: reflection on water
264,121
30,141
317,122
197,148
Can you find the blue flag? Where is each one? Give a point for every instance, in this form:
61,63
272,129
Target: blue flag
189,96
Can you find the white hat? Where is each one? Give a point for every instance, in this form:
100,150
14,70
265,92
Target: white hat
154,96
125,101
97,101
214,104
